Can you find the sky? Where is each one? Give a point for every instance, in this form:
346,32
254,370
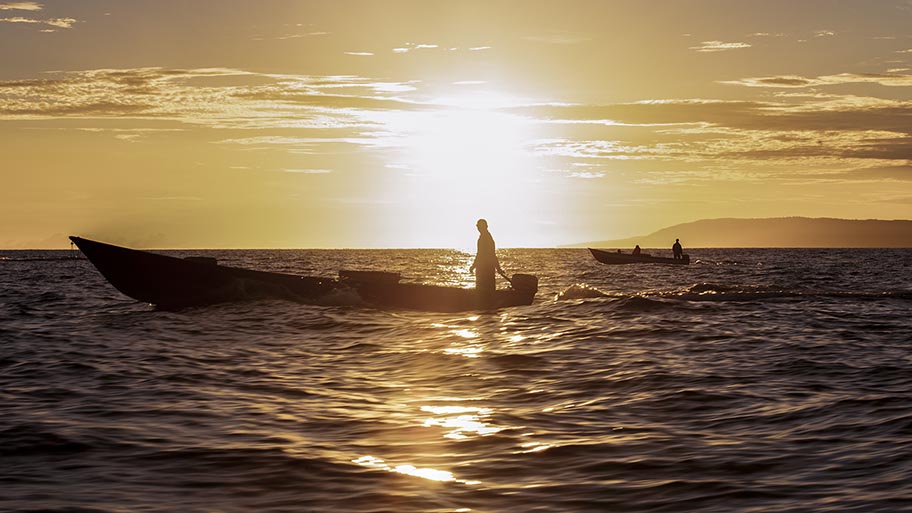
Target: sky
341,124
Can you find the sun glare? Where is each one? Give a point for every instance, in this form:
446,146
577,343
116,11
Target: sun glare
464,160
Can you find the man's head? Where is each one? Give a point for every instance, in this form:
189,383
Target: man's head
482,225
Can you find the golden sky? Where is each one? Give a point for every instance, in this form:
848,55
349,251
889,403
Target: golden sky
273,123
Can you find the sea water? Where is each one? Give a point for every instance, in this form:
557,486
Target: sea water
751,380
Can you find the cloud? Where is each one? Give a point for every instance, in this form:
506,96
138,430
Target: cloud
589,149
329,115
586,175
21,6
901,173
412,46
479,48
299,36
360,54
336,101
824,33
207,96
718,46
647,113
884,79
807,131
53,22
778,81
309,171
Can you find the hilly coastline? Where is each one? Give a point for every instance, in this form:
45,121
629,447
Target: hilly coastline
781,232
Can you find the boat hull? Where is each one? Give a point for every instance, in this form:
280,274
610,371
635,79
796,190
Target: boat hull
171,282
607,257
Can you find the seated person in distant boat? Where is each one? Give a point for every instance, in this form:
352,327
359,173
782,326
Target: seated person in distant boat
486,262
677,250
636,250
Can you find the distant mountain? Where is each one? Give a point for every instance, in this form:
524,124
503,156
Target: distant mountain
779,232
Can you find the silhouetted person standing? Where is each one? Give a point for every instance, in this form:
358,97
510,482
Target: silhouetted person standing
486,262
677,250
636,250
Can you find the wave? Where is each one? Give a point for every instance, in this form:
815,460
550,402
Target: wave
742,292
580,291
518,361
32,440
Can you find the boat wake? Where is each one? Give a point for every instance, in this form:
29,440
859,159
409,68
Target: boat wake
718,292
580,291
709,292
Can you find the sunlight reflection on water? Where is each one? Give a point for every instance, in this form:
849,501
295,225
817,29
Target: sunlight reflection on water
411,470
461,420
473,351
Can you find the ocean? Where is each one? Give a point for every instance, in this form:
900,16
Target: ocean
752,380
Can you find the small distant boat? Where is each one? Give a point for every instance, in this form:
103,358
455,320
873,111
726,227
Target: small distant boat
170,282
607,257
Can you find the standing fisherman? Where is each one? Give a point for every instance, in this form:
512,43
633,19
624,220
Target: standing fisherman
486,262
677,250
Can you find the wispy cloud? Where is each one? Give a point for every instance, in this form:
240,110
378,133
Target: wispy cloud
824,33
302,35
893,80
360,54
587,175
718,46
50,24
716,138
56,23
215,98
21,6
309,171
776,81
331,115
408,47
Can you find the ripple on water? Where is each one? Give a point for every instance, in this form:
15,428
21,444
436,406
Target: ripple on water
751,381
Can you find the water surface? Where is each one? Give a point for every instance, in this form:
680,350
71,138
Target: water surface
751,380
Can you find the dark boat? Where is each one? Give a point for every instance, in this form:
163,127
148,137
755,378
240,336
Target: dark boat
607,257
170,282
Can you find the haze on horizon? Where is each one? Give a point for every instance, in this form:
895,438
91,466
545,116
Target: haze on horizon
398,123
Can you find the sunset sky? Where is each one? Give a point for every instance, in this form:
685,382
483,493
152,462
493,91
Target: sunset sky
268,123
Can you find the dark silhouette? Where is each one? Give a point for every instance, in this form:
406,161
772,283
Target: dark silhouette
607,257
485,260
172,283
677,250
636,250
